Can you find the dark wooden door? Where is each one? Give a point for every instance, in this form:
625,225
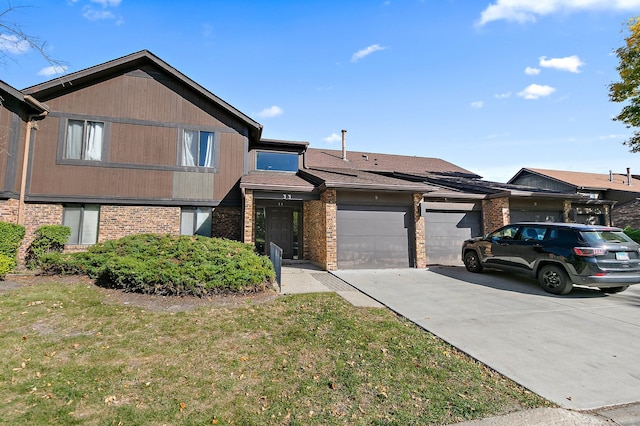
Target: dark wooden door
280,230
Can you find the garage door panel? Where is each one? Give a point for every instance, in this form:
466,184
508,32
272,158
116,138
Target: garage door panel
372,237
444,233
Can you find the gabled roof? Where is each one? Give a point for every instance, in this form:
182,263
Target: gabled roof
377,162
32,103
580,180
70,82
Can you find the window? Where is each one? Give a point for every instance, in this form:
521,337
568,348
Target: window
84,140
280,161
197,149
83,221
195,221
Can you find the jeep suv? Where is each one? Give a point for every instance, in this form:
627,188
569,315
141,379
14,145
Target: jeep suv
559,255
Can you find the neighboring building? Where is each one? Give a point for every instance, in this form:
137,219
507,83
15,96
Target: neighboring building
604,192
133,146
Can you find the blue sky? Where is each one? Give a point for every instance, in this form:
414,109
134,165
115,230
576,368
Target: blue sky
489,85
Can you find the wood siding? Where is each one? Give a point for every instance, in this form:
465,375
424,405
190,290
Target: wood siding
144,112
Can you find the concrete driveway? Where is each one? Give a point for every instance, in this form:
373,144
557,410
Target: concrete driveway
581,351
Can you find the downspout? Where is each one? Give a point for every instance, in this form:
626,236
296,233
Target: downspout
31,124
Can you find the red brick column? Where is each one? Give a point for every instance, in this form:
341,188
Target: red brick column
328,199
248,233
420,244
496,213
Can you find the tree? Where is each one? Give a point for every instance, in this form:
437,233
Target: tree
628,88
14,40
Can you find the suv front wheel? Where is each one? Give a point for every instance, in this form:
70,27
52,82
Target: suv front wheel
472,262
554,280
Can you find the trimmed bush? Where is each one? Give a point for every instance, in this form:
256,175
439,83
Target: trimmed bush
633,233
6,265
49,238
10,237
168,265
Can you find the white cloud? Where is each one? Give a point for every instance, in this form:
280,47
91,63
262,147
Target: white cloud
531,71
366,52
568,63
528,10
272,111
505,95
477,104
334,137
536,91
53,70
13,44
97,15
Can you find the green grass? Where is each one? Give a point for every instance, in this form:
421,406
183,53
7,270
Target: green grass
69,357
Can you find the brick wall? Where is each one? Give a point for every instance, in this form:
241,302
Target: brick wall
248,230
9,211
313,219
120,221
328,199
420,243
496,213
226,222
627,214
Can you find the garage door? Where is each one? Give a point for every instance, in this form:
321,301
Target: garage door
445,232
373,237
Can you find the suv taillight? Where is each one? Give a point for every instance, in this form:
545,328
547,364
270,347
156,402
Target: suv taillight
589,251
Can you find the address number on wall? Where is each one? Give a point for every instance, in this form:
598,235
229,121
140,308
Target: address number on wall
286,196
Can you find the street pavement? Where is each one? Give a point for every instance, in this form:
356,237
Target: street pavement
580,350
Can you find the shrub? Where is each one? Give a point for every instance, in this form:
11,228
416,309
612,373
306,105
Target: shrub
634,234
6,265
10,237
49,238
167,265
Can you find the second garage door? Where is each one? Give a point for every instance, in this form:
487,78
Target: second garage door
444,233
373,237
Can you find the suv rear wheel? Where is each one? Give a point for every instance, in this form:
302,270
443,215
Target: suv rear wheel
554,280
472,262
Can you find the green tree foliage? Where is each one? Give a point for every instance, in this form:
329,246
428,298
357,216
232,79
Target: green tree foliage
628,88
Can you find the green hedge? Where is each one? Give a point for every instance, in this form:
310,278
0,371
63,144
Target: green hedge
633,233
6,265
168,265
10,237
48,238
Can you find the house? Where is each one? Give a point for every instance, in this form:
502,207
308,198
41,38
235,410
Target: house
603,192
133,146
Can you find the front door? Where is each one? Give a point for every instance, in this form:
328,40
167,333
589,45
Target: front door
280,229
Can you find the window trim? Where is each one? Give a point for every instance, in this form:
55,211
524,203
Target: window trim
82,208
62,140
216,148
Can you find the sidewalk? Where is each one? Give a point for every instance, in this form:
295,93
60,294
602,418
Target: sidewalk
298,278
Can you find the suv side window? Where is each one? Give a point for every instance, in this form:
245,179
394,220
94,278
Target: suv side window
530,233
508,233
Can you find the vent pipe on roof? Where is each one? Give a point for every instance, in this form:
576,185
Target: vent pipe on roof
628,176
344,145
610,176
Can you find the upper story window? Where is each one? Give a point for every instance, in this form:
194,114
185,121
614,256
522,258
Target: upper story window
278,161
84,140
198,149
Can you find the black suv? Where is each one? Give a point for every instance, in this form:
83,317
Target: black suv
559,255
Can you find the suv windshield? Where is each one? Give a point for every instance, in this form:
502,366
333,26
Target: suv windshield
605,237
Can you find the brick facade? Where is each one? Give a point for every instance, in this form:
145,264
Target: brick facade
226,222
496,213
420,238
35,216
248,228
627,214
320,230
9,211
119,221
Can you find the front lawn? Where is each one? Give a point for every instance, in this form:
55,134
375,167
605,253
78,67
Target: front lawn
71,356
